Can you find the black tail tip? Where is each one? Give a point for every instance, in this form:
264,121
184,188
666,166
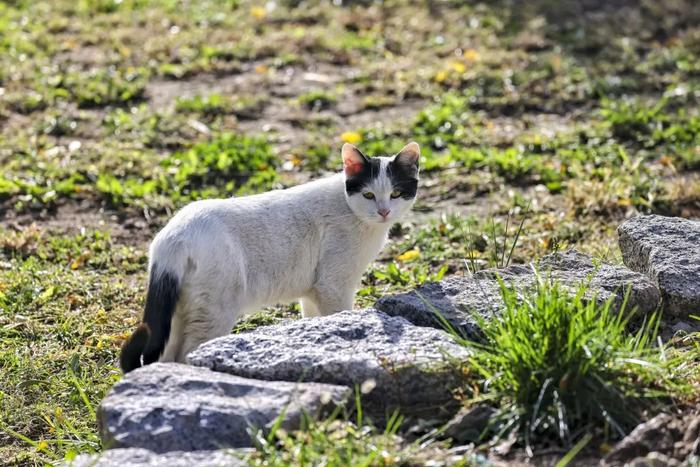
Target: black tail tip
133,348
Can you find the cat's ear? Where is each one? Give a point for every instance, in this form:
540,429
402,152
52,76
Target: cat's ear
409,156
353,160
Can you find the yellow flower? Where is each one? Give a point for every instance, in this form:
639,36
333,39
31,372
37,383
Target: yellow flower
260,69
351,137
471,55
80,260
410,255
440,76
459,67
42,446
258,12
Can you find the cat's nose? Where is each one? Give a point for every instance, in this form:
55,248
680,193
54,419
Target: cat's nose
383,212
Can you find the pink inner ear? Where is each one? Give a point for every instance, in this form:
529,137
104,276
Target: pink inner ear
352,168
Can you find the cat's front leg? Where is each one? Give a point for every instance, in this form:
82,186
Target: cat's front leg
309,307
332,298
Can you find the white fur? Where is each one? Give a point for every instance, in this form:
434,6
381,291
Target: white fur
233,256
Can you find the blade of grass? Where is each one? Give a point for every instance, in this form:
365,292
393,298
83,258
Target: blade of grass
573,452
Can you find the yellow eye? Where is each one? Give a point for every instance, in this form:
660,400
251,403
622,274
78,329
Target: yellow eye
368,195
395,194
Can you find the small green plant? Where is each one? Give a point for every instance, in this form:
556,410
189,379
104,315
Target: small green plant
229,162
213,104
26,103
101,88
267,317
557,365
499,251
651,124
216,104
632,120
317,100
333,442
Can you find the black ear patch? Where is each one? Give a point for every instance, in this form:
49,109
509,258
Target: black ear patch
404,177
370,171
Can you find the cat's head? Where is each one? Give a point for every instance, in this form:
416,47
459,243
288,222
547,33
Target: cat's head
381,189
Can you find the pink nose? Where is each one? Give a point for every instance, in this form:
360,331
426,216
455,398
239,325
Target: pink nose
383,212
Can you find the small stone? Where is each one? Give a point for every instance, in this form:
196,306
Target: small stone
682,326
656,434
138,457
469,423
175,407
457,299
667,249
411,368
653,459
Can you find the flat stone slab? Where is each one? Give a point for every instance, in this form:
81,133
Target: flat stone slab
667,249
176,407
138,457
458,298
398,365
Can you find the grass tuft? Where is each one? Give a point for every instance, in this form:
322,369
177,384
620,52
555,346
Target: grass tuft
333,442
557,366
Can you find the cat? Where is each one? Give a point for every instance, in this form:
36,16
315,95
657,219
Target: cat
218,259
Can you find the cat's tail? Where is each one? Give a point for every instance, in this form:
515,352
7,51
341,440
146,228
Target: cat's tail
149,339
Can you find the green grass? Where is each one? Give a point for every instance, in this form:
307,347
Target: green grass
212,104
332,442
64,301
343,438
557,366
316,100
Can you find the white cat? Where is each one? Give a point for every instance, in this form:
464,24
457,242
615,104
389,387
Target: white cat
217,260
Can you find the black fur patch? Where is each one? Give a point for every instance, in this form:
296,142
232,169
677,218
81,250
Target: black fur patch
370,170
130,357
163,291
403,177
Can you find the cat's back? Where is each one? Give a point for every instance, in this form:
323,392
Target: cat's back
260,215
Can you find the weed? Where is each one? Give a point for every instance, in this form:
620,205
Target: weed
557,365
332,442
317,100
267,317
213,104
100,88
229,163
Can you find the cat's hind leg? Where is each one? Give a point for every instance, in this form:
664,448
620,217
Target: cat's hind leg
332,298
174,344
219,323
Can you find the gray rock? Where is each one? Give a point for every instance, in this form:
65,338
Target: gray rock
457,299
138,457
647,437
653,459
673,439
667,249
408,367
172,407
469,423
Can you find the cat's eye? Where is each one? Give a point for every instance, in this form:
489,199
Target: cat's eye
395,194
368,195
